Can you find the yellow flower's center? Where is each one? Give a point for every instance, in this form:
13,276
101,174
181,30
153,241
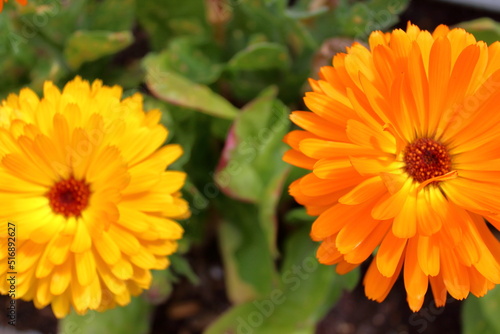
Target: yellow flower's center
425,158
69,197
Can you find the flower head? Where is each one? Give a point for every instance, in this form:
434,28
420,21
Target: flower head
404,152
83,182
22,2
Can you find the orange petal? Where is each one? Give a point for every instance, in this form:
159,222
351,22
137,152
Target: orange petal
327,252
389,254
334,169
428,255
455,275
479,285
354,233
405,222
415,280
377,286
311,185
317,125
366,190
390,205
438,290
332,220
293,138
431,210
298,159
361,252
319,148
344,267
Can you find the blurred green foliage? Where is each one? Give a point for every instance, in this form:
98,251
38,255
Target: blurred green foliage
225,74
130,319
484,29
55,40
302,295
481,314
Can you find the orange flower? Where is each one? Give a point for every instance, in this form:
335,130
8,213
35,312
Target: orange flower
22,2
404,149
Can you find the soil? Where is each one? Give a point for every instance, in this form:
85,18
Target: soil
191,309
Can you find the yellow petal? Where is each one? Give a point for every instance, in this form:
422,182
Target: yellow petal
85,267
61,278
59,249
43,296
144,259
127,242
107,249
60,306
81,297
122,269
81,241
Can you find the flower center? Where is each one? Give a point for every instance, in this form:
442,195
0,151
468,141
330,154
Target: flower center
426,158
69,197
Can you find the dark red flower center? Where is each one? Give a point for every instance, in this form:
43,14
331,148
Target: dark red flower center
69,197
426,158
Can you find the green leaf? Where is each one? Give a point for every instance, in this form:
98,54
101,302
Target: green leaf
84,46
356,19
164,20
130,76
176,89
260,56
54,20
194,59
264,29
484,29
254,18
130,319
17,56
241,243
111,15
251,168
295,13
254,149
367,16
45,69
306,291
480,315
182,267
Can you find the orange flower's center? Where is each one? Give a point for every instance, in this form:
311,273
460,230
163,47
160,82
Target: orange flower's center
426,158
69,197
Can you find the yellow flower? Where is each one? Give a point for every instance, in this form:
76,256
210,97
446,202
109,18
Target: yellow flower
22,2
83,183
404,149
